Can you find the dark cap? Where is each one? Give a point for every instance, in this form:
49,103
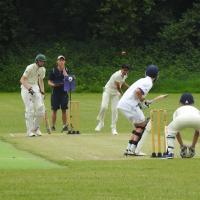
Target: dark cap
186,99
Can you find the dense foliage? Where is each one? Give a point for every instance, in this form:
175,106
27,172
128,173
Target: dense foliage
93,33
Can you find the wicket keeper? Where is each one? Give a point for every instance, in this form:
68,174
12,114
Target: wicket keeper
186,116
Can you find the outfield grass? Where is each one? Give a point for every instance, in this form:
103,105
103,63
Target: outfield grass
92,164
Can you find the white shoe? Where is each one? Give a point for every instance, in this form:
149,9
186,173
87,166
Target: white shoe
31,134
128,152
114,132
38,132
99,126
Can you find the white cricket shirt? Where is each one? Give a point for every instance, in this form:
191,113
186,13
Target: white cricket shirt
33,72
185,111
116,77
129,99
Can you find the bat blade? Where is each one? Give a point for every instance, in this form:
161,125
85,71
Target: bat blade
159,98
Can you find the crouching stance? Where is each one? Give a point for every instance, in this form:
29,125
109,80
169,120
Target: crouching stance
186,116
32,95
130,106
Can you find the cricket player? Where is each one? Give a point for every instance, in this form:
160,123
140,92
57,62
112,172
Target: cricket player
113,91
186,116
32,89
130,106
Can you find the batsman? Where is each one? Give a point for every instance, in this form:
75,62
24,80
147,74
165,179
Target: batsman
31,94
130,105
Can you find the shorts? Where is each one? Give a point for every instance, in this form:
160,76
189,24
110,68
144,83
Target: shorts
133,114
59,100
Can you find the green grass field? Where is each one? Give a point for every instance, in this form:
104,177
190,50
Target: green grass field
89,165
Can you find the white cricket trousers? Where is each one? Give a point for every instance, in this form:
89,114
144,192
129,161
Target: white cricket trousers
34,108
183,121
104,106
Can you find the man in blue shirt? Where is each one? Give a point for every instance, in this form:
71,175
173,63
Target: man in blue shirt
59,97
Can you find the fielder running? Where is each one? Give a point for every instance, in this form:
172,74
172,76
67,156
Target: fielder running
112,90
186,116
130,106
32,95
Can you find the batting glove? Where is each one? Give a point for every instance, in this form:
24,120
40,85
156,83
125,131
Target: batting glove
30,90
147,103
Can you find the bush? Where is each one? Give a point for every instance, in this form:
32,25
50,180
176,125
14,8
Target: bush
93,63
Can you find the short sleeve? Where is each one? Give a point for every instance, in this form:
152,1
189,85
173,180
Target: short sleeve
27,71
51,75
42,72
145,88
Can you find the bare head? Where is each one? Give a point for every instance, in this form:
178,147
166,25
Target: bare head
125,69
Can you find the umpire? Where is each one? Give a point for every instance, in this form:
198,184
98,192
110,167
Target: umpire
59,98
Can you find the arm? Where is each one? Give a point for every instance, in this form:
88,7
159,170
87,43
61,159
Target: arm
139,94
125,85
24,82
51,83
179,139
41,85
118,87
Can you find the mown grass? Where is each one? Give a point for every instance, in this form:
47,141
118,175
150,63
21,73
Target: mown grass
94,167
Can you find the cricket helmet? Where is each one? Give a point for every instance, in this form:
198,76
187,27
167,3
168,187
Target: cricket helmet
40,57
152,71
186,99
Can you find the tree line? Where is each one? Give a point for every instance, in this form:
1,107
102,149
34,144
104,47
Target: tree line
93,32
122,22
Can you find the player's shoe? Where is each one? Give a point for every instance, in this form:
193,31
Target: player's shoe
191,152
128,152
65,128
168,156
53,128
31,134
114,131
38,132
183,151
48,130
99,126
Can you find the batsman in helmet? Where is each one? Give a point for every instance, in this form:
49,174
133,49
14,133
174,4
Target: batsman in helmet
130,105
32,89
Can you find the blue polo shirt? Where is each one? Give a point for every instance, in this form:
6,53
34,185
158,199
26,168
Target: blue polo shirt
57,77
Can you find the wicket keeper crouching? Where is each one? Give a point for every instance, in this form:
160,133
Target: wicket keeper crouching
186,116
129,106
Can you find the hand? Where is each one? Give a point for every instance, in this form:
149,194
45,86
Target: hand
147,103
30,90
65,72
144,104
